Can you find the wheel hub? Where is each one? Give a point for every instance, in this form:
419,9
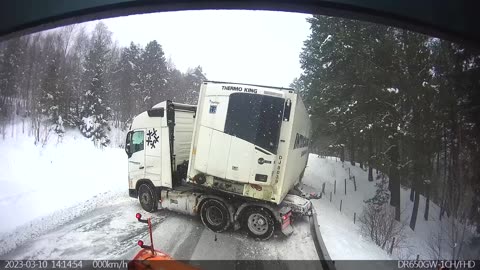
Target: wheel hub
214,216
257,224
145,198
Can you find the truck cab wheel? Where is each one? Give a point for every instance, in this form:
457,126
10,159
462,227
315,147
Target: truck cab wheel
215,215
259,223
148,198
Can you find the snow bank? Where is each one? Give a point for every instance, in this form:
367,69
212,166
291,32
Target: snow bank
38,181
343,238
39,227
333,173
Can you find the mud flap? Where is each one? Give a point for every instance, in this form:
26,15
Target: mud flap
287,230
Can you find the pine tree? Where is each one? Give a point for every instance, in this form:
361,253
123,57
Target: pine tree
194,79
94,111
10,77
176,86
76,80
381,196
10,67
52,94
128,81
154,74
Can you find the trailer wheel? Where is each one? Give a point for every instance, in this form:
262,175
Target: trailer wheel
148,198
215,215
259,223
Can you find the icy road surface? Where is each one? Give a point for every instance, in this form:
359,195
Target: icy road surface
111,231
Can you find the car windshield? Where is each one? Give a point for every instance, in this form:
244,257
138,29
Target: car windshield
301,137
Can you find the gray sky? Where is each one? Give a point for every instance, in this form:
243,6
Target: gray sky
258,47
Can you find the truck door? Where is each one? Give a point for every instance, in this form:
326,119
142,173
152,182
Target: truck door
136,159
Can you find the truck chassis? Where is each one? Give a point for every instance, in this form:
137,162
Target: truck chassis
219,211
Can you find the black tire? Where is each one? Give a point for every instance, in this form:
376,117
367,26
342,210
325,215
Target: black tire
147,198
259,223
215,215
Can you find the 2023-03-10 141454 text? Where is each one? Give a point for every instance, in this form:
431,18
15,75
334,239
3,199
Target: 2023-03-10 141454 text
64,264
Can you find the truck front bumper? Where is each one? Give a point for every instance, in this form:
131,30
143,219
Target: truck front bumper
133,193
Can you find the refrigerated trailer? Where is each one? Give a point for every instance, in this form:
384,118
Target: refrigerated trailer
233,159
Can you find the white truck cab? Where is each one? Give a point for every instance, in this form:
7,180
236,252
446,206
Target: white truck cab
157,152
232,159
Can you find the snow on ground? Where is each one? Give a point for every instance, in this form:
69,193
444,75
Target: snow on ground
334,173
39,181
101,228
342,238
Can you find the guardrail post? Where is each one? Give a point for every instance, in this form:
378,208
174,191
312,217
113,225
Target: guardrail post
391,247
354,183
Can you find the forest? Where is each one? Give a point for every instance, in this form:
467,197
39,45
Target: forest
402,103
73,78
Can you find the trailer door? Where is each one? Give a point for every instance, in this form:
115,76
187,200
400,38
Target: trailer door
254,121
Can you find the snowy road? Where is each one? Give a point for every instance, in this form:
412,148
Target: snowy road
111,232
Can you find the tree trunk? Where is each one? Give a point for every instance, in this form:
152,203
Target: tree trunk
442,199
437,166
394,179
370,154
352,150
413,220
417,165
453,177
427,202
370,174
342,153
412,193
444,176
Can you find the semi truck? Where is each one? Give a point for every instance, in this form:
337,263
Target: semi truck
234,159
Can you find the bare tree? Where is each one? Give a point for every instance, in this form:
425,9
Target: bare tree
380,225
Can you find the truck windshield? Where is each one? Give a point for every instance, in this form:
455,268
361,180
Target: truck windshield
255,118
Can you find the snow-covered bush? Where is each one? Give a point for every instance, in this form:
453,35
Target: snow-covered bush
378,219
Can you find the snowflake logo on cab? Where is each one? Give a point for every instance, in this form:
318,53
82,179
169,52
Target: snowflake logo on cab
152,138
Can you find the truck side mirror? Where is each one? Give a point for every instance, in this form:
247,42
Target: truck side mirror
128,144
286,110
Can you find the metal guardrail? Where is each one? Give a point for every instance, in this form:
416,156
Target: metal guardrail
326,261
